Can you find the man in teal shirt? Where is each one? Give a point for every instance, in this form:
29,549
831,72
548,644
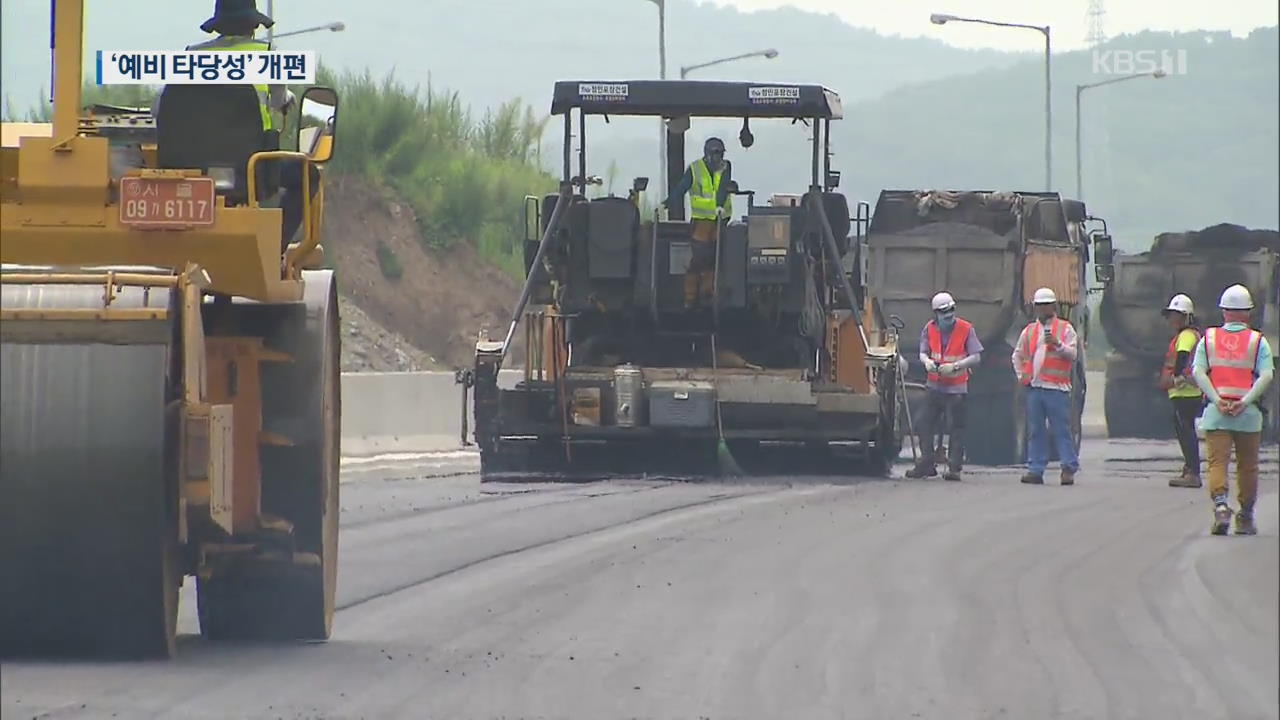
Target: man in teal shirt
1233,366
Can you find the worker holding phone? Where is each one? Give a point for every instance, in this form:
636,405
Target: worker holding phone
1044,359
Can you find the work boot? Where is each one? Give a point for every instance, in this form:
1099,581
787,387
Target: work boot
1221,519
1033,479
952,474
1187,479
922,470
1068,476
1244,523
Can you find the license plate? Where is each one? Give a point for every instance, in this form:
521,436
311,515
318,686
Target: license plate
166,203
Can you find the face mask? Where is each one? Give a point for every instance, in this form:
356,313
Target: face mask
946,320
1045,313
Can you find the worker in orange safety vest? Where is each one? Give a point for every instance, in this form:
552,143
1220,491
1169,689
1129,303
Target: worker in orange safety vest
1044,359
949,350
1233,366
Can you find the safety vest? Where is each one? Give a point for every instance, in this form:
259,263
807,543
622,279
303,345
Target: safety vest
1054,369
954,352
233,43
702,196
1171,358
1231,355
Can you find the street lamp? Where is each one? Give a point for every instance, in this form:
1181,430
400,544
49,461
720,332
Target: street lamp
1079,91
331,27
271,35
770,54
943,19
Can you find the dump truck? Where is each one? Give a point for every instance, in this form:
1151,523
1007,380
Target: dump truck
991,251
169,363
785,356
1198,263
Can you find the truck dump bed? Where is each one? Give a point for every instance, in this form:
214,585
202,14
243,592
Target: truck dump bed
1144,283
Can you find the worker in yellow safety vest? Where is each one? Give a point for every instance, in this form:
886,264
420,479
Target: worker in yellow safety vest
709,182
1044,360
1233,366
1175,379
235,22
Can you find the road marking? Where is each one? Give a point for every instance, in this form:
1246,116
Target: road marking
409,457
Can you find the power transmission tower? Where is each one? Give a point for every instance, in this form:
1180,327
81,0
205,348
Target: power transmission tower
1097,13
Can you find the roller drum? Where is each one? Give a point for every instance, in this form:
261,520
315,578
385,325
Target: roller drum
88,499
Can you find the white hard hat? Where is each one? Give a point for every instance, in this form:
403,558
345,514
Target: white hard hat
1181,303
1236,297
943,301
1044,296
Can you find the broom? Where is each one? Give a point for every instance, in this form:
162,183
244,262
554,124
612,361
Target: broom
725,462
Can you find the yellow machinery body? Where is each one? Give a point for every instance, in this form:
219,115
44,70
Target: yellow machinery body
172,400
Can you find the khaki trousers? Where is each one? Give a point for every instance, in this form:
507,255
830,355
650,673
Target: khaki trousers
699,280
1219,444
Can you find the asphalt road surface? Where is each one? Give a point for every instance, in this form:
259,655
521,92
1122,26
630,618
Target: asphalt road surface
793,598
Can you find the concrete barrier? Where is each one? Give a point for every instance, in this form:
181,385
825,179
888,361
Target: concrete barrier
404,411
1094,422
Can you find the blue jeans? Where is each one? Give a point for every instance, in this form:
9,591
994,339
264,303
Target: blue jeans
1054,406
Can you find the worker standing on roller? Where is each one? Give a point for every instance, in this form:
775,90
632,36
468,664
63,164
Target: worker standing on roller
235,22
949,350
1233,367
1184,395
1044,359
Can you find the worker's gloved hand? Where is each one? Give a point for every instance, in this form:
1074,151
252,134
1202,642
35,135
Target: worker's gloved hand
930,366
948,369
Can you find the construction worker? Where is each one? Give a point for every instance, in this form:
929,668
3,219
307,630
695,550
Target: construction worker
1044,360
235,22
949,350
1233,366
708,180
1184,395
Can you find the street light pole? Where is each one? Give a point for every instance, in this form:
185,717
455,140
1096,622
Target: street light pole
770,54
1048,117
271,13
1080,91
943,19
662,75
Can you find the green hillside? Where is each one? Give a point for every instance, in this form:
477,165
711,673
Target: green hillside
1181,152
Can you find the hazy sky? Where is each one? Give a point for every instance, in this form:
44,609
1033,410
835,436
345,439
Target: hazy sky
1067,20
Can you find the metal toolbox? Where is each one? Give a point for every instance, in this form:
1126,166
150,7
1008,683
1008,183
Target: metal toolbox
679,403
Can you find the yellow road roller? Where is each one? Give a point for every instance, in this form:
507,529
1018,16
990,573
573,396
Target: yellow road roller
170,371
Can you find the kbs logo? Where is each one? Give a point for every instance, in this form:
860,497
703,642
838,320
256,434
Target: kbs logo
1139,62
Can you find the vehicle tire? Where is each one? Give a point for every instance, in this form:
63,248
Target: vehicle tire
292,597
